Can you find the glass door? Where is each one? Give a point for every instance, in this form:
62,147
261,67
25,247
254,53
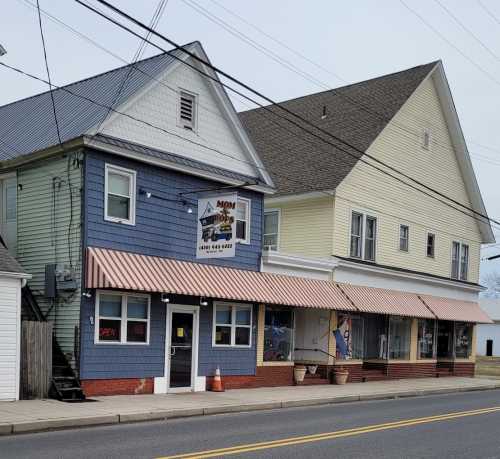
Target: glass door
181,350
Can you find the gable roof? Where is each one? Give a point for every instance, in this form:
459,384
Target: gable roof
8,264
299,162
27,126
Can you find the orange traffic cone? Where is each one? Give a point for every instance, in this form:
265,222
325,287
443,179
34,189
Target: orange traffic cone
217,382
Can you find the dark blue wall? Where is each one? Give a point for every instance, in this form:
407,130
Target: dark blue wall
162,229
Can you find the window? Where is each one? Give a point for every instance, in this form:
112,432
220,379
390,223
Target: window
278,334
404,232
243,220
271,230
349,337
122,318
10,190
426,139
119,200
363,236
187,110
463,340
426,339
232,325
431,239
399,338
459,261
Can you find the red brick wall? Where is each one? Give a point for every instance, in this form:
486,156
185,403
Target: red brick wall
94,387
268,376
355,371
411,370
464,368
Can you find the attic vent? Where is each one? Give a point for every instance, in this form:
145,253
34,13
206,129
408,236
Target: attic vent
187,107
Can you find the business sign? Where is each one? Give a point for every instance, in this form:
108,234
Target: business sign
217,226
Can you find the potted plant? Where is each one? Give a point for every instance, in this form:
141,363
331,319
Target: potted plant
312,369
299,373
341,375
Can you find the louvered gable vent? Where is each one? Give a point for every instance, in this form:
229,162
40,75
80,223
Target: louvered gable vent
187,110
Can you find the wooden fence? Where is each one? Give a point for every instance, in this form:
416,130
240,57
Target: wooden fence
36,359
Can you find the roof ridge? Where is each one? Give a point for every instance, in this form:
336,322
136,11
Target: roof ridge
156,56
433,63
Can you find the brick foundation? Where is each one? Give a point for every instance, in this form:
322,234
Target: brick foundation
268,376
411,370
355,371
131,386
464,369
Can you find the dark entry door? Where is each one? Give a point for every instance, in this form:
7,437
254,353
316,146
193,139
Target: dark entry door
489,347
181,349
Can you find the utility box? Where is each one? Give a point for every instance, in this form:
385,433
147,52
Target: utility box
59,278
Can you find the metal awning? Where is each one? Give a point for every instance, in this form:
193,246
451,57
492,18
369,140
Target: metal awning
130,271
456,310
383,301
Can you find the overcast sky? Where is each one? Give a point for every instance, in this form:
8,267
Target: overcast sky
350,40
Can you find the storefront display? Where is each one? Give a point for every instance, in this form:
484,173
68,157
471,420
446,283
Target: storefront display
399,338
463,340
278,334
349,337
426,339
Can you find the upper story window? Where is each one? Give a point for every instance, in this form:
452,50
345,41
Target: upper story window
404,235
187,110
232,325
431,243
119,199
271,229
363,236
426,139
122,318
459,261
243,220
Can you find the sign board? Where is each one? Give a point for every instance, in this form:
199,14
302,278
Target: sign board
216,226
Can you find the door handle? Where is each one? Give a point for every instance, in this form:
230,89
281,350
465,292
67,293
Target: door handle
172,351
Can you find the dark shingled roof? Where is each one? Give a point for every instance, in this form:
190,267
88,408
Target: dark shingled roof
297,161
8,263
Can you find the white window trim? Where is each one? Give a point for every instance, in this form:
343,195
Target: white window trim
180,123
279,228
364,214
407,250
234,307
460,244
123,320
427,243
133,178
248,220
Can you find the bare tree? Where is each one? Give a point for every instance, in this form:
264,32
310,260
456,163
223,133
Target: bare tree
492,282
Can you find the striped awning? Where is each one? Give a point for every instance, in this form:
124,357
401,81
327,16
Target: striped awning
130,271
383,301
456,310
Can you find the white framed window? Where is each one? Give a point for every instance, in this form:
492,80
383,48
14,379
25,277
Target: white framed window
404,237
187,110
119,195
431,245
271,229
363,236
232,325
459,261
122,318
426,139
243,220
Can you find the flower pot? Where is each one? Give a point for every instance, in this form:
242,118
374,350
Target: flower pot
312,369
298,373
341,376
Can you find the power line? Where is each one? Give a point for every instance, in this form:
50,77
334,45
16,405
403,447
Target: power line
154,22
492,15
248,88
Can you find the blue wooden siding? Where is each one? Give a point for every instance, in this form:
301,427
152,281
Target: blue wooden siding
162,228
107,361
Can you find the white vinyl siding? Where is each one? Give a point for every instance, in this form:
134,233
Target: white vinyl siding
10,314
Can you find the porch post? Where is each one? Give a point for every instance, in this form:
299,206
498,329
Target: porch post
331,337
260,334
414,340
472,356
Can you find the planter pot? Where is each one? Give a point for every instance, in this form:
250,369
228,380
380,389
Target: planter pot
299,373
312,369
341,376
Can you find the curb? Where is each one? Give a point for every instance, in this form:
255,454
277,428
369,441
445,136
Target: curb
69,423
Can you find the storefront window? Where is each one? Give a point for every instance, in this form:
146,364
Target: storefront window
426,338
349,337
445,340
278,334
375,336
463,340
399,338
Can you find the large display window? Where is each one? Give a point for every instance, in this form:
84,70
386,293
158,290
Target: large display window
278,334
463,340
399,338
348,337
426,348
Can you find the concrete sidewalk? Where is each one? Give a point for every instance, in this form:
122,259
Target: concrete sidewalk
38,415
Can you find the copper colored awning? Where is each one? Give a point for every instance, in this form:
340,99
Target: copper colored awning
129,271
456,310
383,301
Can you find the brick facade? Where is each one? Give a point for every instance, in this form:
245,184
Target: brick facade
129,386
267,376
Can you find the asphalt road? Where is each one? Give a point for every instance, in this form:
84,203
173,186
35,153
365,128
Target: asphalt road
465,425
